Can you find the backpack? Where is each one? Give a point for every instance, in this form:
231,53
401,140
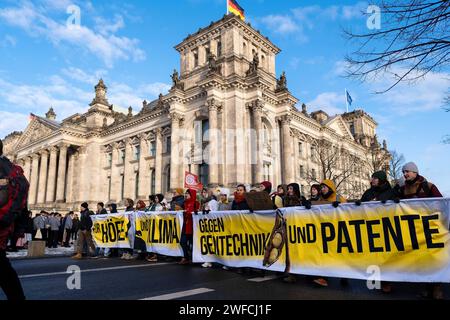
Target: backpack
14,187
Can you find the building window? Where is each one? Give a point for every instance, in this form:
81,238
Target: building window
152,182
300,148
136,186
122,187
153,148
219,49
313,153
168,145
122,156
109,188
266,171
204,173
302,171
109,159
205,130
352,128
313,174
302,190
207,51
195,59
137,152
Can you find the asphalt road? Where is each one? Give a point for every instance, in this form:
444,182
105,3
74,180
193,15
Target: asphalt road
111,279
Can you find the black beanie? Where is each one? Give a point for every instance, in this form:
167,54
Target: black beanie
380,175
85,205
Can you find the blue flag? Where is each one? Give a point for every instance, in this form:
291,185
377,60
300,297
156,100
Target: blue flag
349,98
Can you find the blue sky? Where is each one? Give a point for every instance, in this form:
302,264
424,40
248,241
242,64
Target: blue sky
130,44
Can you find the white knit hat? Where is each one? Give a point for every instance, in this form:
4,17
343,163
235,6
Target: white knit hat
410,166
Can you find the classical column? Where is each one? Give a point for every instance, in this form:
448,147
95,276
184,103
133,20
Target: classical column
42,177
27,167
257,120
175,160
158,161
128,170
61,182
288,166
213,144
144,176
51,184
115,174
34,179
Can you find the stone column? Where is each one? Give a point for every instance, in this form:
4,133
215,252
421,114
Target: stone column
34,179
42,177
213,144
61,180
257,121
128,170
115,174
158,161
27,167
51,183
175,160
288,166
144,174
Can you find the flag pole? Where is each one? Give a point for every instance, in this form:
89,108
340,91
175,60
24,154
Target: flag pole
228,12
346,99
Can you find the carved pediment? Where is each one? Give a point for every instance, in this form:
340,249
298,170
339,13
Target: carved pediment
340,127
35,131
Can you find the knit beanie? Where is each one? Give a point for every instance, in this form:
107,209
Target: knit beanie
380,175
85,205
410,166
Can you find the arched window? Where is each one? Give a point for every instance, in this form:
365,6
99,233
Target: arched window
152,182
166,185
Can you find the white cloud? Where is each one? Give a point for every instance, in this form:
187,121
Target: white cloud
104,44
12,121
280,23
355,11
330,102
423,95
81,76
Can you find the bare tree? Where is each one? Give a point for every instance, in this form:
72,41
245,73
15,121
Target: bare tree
335,164
395,165
414,36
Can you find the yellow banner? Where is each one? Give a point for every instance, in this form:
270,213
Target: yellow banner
112,230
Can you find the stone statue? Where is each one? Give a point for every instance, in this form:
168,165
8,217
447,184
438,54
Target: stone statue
214,67
304,111
130,112
282,83
176,83
100,94
253,65
160,101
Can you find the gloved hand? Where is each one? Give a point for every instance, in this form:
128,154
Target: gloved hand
206,211
397,200
383,201
336,204
307,204
196,212
358,202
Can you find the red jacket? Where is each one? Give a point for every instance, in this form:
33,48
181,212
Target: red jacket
190,206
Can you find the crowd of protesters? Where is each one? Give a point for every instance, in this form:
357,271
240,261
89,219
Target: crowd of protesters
412,185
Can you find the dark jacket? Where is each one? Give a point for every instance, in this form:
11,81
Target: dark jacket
85,220
243,205
379,193
75,225
103,211
419,188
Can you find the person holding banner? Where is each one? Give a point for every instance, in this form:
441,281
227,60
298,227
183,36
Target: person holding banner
277,196
315,192
177,202
239,202
328,193
128,253
191,205
417,186
380,190
84,233
224,205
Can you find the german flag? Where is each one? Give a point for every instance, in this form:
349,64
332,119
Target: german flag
235,8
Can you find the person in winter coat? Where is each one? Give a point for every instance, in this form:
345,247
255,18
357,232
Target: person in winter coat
224,205
54,223
315,192
177,202
293,197
84,232
129,207
239,202
75,227
328,193
9,281
157,205
278,196
380,189
68,225
191,206
112,208
140,206
101,208
416,186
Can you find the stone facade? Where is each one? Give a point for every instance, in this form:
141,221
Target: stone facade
227,118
